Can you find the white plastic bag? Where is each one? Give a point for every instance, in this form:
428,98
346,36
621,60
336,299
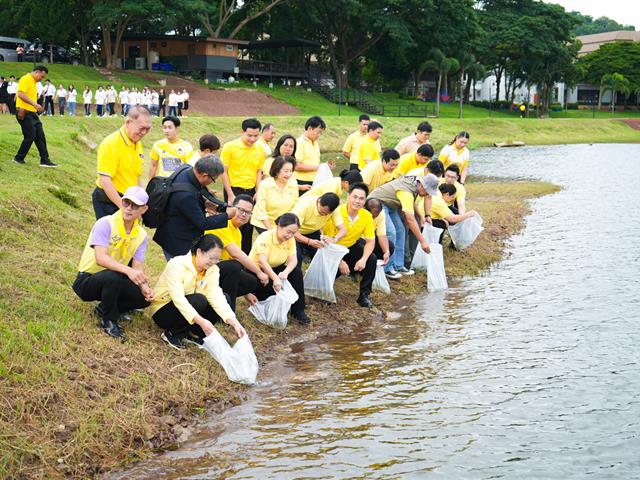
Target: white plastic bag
431,233
273,311
464,233
321,274
322,174
239,363
380,281
420,258
436,276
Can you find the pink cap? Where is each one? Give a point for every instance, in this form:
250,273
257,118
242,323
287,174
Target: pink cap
137,195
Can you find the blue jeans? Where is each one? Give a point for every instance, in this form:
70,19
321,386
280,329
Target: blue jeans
173,111
395,232
62,102
72,108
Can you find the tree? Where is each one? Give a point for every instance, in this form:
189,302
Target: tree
226,10
466,62
443,66
616,83
588,26
620,57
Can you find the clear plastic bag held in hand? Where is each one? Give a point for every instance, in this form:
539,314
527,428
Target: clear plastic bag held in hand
380,281
239,362
321,274
322,174
420,258
436,276
464,233
273,311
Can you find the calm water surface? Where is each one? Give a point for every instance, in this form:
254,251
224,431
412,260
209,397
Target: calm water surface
529,371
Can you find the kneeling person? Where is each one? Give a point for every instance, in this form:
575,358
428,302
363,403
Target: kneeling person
104,273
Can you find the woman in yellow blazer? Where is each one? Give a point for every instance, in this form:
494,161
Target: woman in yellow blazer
189,299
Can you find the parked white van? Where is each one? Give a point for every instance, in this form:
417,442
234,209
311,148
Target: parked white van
8,48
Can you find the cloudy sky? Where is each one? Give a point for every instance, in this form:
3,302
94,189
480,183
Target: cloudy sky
626,12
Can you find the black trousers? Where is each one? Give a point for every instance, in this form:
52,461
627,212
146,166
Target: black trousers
48,105
32,131
102,206
245,230
377,251
303,250
303,182
235,281
440,224
368,274
116,293
180,105
170,318
295,279
12,103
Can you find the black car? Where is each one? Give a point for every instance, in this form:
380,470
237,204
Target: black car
43,54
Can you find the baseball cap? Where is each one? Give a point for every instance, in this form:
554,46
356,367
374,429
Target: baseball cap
430,183
137,195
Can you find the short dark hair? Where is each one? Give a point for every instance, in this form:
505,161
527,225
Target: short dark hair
287,219
267,126
280,162
251,123
206,243
454,168
210,165
424,127
426,150
359,186
330,200
315,122
209,142
281,140
364,116
390,154
447,188
436,167
172,119
242,197
374,125
350,176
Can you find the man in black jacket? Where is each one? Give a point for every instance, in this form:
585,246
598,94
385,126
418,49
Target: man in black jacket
185,215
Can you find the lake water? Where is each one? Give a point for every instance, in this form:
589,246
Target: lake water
528,371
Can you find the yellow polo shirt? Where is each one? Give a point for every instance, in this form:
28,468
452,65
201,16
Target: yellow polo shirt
352,144
271,202
242,162
368,150
450,154
120,159
406,200
374,175
229,235
27,85
461,192
171,156
407,163
380,223
307,153
277,253
360,227
332,185
310,220
439,208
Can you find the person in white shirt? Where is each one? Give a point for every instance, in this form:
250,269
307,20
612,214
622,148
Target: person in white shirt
72,96
173,104
49,92
111,100
155,102
124,101
40,92
61,95
100,99
12,90
185,101
87,98
133,98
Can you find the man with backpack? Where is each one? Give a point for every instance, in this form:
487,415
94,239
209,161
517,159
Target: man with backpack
181,211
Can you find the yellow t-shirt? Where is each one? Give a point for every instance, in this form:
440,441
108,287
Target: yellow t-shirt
332,185
450,154
307,153
439,208
310,220
407,163
461,192
277,253
171,156
27,85
351,145
380,224
242,162
229,235
120,159
360,227
374,175
406,200
271,202
368,150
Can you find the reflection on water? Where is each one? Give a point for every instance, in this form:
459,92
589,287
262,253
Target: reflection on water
529,371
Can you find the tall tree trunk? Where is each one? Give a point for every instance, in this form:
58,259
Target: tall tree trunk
461,93
467,89
438,95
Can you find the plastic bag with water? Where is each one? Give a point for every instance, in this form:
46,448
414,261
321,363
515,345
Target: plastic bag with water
420,258
273,311
436,276
380,281
239,362
321,274
322,174
464,233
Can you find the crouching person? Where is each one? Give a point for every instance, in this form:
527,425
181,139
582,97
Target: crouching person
442,216
116,241
189,299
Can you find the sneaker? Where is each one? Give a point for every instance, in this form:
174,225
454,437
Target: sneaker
48,164
406,272
301,317
19,162
112,329
193,339
365,301
393,275
172,340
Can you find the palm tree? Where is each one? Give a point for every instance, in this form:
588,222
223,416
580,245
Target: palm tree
616,83
466,63
443,65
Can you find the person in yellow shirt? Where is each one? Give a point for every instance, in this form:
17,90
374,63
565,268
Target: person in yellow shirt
170,153
351,145
189,299
368,150
277,195
337,185
379,172
286,147
456,151
415,140
208,144
236,267
451,175
27,110
116,241
359,224
384,247
308,152
120,159
411,161
441,214
274,251
268,134
243,161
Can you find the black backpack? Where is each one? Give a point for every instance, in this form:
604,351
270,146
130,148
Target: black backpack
159,190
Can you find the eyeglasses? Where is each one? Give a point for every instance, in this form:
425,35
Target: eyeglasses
126,203
213,179
244,212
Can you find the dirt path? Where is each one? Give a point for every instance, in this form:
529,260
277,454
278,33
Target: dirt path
632,122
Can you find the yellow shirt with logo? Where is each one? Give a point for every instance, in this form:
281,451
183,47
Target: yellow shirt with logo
242,162
277,253
407,163
333,185
310,220
27,85
368,150
120,159
171,156
271,201
228,235
360,227
374,175
307,153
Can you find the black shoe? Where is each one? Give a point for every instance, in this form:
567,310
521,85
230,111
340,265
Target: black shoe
19,162
112,329
48,164
365,301
98,312
301,317
193,339
126,317
172,340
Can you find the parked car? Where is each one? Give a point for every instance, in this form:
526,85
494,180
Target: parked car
43,54
8,48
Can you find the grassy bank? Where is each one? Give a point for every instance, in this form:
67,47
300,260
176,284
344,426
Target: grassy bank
75,401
